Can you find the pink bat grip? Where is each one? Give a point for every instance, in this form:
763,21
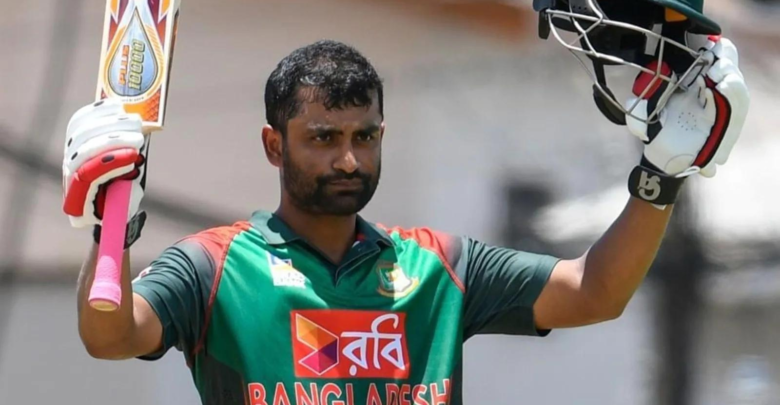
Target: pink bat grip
106,292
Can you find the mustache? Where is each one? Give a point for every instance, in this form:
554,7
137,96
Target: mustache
365,177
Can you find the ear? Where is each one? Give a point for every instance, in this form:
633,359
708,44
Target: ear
273,144
382,130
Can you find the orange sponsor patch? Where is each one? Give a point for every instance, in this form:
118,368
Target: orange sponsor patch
349,344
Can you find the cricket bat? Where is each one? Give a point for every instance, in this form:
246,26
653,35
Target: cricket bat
135,65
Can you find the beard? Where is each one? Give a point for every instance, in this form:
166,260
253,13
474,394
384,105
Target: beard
312,194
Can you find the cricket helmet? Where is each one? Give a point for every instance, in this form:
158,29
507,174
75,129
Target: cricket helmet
663,39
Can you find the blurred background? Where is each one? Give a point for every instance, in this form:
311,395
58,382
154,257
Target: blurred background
491,132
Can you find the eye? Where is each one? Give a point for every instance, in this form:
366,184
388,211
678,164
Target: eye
323,137
365,137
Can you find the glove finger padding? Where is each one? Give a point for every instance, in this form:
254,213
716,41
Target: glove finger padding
93,121
682,129
103,144
736,98
696,129
90,112
726,128
724,49
708,167
700,125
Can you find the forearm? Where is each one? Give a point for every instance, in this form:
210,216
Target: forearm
102,331
617,263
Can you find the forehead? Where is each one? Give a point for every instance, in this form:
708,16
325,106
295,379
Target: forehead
312,110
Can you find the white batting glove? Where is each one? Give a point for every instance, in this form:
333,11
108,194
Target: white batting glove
698,127
103,144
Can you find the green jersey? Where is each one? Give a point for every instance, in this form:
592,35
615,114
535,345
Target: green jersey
263,318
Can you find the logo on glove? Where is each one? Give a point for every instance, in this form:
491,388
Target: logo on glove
651,184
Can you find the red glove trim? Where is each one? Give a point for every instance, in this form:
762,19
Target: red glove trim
722,117
90,171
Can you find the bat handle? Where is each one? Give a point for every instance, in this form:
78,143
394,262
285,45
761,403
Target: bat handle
106,291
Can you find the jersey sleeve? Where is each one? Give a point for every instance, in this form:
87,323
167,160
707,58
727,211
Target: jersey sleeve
177,286
501,287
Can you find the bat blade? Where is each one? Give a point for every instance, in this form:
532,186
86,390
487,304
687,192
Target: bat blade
136,56
135,64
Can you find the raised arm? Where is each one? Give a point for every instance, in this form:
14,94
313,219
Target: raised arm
103,144
698,128
132,330
598,285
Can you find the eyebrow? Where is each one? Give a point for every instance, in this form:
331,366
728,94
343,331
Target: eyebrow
330,129
323,128
369,129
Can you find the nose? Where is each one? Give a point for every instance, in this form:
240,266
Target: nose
347,162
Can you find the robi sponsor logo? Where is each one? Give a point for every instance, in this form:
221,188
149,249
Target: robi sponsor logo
349,344
339,354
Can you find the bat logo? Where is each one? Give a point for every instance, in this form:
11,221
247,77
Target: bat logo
133,70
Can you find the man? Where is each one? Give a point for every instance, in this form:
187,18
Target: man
312,304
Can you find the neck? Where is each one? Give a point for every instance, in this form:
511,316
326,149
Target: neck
332,235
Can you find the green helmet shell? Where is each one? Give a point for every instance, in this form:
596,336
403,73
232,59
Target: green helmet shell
694,10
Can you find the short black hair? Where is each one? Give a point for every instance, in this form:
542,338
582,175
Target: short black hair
341,76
